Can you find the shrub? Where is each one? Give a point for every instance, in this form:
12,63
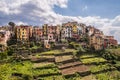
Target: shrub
10,51
108,55
27,77
3,55
32,44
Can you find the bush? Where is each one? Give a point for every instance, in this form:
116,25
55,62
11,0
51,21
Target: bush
10,51
3,55
32,44
108,55
27,77
71,44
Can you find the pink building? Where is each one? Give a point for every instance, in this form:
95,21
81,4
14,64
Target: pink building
110,41
37,33
4,37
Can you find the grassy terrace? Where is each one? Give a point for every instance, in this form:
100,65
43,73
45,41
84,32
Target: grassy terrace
57,77
96,60
115,51
101,68
23,70
91,59
6,70
52,52
26,70
47,69
101,71
63,58
37,65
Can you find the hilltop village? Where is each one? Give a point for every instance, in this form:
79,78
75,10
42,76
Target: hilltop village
87,36
70,51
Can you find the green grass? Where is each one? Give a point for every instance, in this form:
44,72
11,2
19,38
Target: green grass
101,67
110,75
103,76
115,51
6,70
31,69
93,60
117,63
38,65
23,68
88,55
58,77
38,72
59,51
51,65
47,69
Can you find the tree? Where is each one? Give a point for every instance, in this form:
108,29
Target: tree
12,24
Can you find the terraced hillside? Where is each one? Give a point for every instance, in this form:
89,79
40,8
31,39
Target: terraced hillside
61,65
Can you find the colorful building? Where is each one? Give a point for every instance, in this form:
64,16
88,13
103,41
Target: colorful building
109,41
96,39
37,33
4,37
24,33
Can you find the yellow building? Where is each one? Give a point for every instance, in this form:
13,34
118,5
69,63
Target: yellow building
45,28
23,33
96,42
74,28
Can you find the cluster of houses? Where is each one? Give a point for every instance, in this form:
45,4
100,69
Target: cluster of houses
58,33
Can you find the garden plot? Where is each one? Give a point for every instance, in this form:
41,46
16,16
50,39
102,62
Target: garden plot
37,65
42,59
95,60
54,52
110,75
68,65
76,69
46,71
63,58
15,70
86,56
102,68
55,77
92,59
106,71
39,56
89,77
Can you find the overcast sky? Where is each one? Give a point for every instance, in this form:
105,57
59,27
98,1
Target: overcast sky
103,14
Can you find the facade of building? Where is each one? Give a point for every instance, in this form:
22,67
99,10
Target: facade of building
45,29
4,37
96,38
70,29
109,41
23,33
67,31
37,33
